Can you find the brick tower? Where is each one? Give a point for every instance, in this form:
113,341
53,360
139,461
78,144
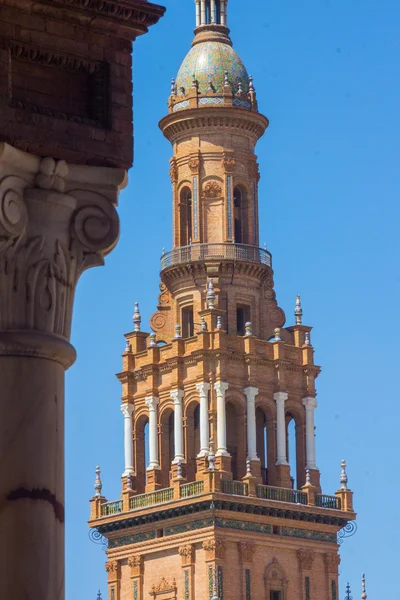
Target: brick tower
210,506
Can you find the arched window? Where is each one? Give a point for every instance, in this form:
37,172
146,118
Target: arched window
291,448
167,444
192,439
262,443
240,216
141,451
232,436
185,212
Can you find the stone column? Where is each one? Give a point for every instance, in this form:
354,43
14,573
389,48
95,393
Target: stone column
310,404
198,16
280,399
212,10
56,221
203,389
178,395
223,12
152,403
203,12
127,411
220,389
251,393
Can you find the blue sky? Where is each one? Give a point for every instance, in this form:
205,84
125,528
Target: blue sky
326,74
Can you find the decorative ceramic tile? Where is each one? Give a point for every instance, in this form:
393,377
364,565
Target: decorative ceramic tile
220,581
248,584
334,590
180,105
184,527
132,539
135,590
238,102
208,61
210,582
307,588
243,525
217,100
187,595
306,534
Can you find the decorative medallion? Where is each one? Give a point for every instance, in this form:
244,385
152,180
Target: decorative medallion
212,189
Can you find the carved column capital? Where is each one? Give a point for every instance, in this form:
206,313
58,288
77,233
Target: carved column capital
306,559
136,564
187,554
214,549
113,570
332,562
246,551
56,221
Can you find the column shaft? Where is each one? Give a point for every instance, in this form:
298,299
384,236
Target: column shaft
32,478
177,395
203,12
152,403
198,16
127,411
204,389
223,12
251,394
220,389
212,8
280,399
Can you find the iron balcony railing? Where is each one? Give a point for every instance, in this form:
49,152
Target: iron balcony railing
192,489
152,498
199,252
328,501
111,508
236,488
281,494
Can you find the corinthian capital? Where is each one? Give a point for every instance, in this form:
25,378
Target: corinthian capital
56,220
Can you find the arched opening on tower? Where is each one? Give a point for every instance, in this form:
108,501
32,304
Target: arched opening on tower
185,213
141,451
167,425
240,215
262,442
291,448
232,436
192,439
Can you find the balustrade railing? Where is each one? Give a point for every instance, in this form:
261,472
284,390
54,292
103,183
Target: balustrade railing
111,508
198,252
158,497
236,488
192,489
324,501
281,494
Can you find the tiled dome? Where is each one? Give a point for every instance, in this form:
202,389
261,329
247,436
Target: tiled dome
208,61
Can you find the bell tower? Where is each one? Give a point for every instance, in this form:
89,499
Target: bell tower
221,495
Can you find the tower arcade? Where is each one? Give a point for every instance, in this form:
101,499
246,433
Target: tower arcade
219,500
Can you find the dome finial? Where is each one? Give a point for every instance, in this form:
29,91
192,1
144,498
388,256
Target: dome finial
364,591
298,311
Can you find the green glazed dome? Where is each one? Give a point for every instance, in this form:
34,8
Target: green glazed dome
208,61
